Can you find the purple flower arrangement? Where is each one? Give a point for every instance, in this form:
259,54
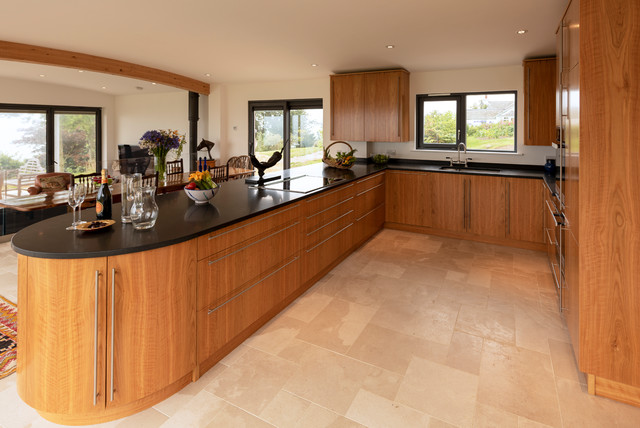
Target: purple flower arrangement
160,142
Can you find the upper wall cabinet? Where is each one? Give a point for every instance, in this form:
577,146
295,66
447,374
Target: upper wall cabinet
539,101
370,106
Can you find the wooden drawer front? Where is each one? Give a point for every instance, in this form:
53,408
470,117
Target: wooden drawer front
232,271
319,256
369,182
369,199
367,225
326,219
327,199
330,226
219,325
238,233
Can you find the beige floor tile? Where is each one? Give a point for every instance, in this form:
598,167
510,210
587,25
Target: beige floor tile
564,362
382,382
363,289
519,381
405,291
440,391
534,328
276,335
392,270
488,324
424,274
198,412
374,411
319,417
528,423
307,306
491,417
235,355
392,350
465,352
434,322
253,381
328,379
462,293
285,410
231,416
437,423
479,276
338,325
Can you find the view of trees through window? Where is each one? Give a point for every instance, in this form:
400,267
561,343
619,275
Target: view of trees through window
482,121
72,147
304,122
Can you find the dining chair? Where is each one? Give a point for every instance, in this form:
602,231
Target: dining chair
87,179
241,162
150,180
219,173
175,167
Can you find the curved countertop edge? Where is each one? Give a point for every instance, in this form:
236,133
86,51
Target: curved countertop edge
180,219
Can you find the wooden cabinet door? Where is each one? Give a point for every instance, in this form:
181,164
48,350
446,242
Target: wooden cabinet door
66,294
408,198
570,290
448,201
151,328
525,205
540,101
386,106
486,206
572,152
347,107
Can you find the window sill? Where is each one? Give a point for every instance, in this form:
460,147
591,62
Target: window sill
469,153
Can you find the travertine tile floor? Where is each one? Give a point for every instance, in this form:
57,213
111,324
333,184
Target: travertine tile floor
409,331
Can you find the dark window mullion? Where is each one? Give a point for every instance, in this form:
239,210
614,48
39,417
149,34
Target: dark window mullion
49,138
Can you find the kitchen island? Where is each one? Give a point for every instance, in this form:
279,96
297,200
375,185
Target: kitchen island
114,321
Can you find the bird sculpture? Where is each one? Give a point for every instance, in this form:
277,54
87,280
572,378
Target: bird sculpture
262,166
206,144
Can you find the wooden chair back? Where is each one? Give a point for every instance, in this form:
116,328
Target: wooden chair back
87,179
219,173
150,180
240,162
175,167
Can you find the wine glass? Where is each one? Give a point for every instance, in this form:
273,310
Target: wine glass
76,196
80,192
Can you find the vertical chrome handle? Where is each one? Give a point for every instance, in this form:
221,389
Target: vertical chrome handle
529,103
95,340
399,107
464,205
508,208
332,109
469,210
113,313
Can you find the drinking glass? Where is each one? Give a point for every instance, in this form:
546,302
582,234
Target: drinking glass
80,192
77,193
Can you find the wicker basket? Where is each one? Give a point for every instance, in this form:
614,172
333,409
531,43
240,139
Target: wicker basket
327,159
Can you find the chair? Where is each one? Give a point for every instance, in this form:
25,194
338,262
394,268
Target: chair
150,180
219,173
175,167
241,162
51,182
89,183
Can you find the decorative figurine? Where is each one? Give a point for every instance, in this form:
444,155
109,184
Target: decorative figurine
262,166
206,144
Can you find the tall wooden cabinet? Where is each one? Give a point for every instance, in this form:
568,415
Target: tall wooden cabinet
370,106
539,101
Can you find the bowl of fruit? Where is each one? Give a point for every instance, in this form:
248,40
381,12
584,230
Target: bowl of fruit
342,160
380,159
201,188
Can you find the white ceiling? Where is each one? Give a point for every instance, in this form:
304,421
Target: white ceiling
251,40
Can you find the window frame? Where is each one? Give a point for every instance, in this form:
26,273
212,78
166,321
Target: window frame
50,112
286,106
461,120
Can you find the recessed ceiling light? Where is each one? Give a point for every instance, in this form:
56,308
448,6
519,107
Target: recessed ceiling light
207,74
80,71
521,32
390,46
42,75
153,83
314,65
104,87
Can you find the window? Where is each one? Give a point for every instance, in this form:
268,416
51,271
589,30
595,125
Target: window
50,138
483,121
295,125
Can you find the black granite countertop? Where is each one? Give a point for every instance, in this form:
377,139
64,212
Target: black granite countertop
180,219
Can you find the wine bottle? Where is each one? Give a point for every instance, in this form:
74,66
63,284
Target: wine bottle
103,199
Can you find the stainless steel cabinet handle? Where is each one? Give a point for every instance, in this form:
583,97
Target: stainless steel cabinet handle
113,323
508,208
555,215
469,209
95,341
399,108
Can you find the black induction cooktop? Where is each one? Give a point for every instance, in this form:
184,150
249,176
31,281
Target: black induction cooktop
300,184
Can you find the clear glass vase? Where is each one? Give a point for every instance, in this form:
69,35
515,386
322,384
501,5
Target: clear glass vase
144,211
160,165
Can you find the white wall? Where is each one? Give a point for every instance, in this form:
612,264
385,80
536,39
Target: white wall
17,91
139,113
228,111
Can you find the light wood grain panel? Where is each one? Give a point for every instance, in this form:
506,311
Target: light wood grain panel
386,100
59,319
347,107
486,213
232,271
326,216
369,199
539,101
317,258
571,290
525,205
615,390
316,204
24,355
408,198
42,55
154,321
223,239
609,204
572,153
369,182
369,224
449,202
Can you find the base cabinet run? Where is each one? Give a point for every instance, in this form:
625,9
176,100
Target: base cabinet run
113,340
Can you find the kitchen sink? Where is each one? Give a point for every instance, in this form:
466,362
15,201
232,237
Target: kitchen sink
462,168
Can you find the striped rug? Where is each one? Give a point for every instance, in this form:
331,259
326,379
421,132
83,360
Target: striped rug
8,337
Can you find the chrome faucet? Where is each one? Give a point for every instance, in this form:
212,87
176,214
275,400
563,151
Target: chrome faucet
461,146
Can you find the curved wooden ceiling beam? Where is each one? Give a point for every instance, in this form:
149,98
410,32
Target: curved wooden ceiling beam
41,55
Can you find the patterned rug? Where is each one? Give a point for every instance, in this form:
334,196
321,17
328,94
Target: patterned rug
8,337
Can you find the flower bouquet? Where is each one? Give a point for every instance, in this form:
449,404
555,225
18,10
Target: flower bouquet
159,143
201,187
